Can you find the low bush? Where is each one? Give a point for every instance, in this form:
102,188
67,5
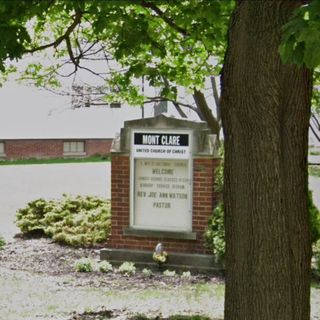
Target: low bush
186,274
105,266
84,265
316,256
169,273
127,268
314,219
76,221
2,242
147,272
215,234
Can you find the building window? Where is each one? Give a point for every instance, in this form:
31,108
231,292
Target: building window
74,148
2,149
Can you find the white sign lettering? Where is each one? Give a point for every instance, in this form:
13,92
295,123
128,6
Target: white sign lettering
161,145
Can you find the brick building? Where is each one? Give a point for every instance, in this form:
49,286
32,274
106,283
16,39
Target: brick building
11,149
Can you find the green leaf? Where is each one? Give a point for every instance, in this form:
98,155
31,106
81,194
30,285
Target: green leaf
312,55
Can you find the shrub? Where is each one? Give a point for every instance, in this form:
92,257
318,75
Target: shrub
80,220
30,218
105,266
314,219
2,242
127,268
186,274
84,265
147,272
318,263
316,255
215,234
169,273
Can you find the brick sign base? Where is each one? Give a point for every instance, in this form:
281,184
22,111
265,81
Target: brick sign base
204,198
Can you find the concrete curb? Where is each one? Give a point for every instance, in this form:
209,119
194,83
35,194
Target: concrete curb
178,261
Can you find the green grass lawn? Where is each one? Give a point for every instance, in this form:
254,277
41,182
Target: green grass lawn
29,296
55,160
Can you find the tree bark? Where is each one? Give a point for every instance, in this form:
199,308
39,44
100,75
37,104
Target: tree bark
265,109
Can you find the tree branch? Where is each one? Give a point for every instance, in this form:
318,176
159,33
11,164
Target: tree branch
159,99
317,124
179,109
315,120
57,42
176,105
314,132
163,16
70,52
216,97
202,105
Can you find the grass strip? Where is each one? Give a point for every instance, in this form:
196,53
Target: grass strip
54,160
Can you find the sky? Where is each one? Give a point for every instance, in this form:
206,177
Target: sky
28,112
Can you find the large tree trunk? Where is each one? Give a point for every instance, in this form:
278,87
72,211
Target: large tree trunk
265,108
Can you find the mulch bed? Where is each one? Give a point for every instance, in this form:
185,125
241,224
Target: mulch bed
43,256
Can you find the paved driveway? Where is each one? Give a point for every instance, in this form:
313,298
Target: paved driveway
20,184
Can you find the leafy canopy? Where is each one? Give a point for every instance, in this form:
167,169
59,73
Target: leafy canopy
172,44
169,43
301,43
301,37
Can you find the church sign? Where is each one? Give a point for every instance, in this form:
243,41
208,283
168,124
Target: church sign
161,180
162,190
